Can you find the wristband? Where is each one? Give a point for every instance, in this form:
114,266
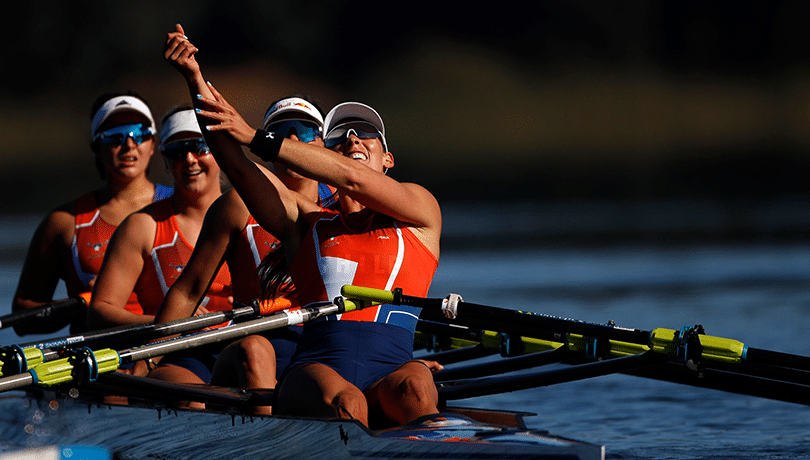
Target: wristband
266,145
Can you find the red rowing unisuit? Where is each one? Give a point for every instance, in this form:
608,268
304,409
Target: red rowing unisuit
383,255
90,238
169,255
252,246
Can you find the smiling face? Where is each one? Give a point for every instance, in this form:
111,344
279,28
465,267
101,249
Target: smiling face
127,161
193,173
369,151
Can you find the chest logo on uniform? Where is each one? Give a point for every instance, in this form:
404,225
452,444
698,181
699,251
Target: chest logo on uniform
177,268
97,246
336,272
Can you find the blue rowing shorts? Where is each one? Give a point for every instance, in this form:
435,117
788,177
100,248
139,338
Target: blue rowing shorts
199,360
361,352
284,342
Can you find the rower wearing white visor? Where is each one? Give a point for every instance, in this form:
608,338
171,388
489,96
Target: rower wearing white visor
70,244
231,235
386,234
152,246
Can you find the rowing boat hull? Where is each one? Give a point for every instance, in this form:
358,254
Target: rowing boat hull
133,432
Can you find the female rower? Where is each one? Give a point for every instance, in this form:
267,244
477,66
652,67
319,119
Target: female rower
386,235
230,234
70,243
150,248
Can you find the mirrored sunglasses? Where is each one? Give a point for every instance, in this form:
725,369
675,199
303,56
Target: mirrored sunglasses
341,133
306,130
118,135
178,149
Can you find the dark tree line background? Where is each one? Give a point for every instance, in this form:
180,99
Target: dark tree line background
540,101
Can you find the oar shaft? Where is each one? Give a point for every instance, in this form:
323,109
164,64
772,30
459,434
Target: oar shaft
92,363
43,311
16,381
145,330
500,319
18,359
274,321
765,371
684,345
687,346
277,320
776,358
533,324
792,390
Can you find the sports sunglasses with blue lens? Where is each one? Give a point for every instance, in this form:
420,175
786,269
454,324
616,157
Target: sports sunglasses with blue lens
306,130
341,133
118,135
177,150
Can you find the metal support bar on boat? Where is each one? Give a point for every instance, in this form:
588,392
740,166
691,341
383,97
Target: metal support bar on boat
495,385
503,366
461,354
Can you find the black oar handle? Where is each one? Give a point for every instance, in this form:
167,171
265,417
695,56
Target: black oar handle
43,311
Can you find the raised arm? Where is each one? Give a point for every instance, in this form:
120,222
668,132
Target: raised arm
403,201
129,247
180,53
362,181
273,206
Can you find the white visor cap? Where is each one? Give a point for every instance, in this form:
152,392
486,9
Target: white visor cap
120,104
292,104
356,110
180,122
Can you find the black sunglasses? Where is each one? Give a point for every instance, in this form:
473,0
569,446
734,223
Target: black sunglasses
178,149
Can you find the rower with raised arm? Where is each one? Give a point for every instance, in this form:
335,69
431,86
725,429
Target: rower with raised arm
386,235
150,248
70,244
230,234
